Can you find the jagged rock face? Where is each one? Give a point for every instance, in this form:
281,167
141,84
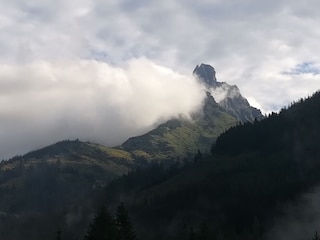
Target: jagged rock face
223,107
227,96
240,108
207,74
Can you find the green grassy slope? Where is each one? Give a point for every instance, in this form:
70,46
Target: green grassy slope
182,137
76,154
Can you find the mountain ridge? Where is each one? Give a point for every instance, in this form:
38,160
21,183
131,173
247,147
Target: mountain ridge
181,137
233,108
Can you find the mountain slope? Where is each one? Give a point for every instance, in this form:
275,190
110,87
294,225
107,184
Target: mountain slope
255,170
54,188
293,131
75,154
177,138
182,137
172,139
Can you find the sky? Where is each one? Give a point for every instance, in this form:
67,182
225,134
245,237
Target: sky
103,70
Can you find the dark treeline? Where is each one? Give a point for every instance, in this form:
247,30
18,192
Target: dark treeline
288,132
37,200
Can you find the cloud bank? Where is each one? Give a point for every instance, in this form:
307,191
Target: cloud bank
250,43
43,102
269,49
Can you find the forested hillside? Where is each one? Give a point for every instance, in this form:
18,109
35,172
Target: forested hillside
255,169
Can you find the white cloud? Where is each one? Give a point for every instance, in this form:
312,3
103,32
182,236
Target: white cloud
250,43
43,102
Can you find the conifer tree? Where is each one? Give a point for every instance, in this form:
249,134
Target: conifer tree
192,235
123,223
103,227
316,236
58,236
203,233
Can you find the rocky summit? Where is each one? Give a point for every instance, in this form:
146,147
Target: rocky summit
207,74
227,96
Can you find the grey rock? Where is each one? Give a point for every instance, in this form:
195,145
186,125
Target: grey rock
227,96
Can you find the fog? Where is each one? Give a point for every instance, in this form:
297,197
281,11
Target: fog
300,219
43,102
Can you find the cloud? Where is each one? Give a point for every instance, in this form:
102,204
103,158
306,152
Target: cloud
224,90
43,102
250,43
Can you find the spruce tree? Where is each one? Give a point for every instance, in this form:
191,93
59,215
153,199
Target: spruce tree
102,227
124,225
204,231
58,236
316,236
192,235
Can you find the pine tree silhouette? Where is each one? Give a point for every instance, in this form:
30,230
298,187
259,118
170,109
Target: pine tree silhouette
58,236
316,236
123,223
103,227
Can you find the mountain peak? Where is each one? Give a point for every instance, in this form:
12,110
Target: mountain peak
227,96
207,74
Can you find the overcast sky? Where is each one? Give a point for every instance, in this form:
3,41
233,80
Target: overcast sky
105,70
